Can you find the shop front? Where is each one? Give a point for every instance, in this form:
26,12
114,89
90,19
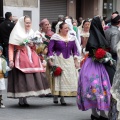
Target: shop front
50,9
108,7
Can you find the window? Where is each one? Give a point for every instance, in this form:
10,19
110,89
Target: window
29,13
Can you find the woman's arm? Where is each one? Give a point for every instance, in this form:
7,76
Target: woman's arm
11,55
50,52
75,55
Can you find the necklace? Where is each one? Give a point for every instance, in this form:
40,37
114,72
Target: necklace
66,42
65,39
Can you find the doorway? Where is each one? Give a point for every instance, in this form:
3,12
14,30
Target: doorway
107,8
78,9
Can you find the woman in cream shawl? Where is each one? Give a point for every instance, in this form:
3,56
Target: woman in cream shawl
26,78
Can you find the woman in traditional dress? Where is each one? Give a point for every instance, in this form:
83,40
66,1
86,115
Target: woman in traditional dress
26,78
85,33
72,32
94,82
45,29
62,52
84,38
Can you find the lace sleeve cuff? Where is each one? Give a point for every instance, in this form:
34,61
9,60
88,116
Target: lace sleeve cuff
75,56
50,57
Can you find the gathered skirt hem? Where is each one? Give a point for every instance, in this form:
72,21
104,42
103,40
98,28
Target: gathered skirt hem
28,94
65,93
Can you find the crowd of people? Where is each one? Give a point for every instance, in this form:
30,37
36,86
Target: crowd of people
65,58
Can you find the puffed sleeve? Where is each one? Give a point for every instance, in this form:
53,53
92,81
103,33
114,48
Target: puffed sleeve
11,52
51,49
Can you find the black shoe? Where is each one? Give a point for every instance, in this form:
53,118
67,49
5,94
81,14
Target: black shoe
26,105
56,102
21,105
55,99
49,95
63,103
94,118
102,118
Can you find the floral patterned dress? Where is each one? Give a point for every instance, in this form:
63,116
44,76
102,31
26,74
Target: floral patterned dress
93,86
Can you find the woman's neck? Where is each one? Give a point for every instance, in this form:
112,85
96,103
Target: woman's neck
63,35
27,31
44,31
86,30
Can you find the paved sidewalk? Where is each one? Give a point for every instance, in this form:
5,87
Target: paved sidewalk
42,109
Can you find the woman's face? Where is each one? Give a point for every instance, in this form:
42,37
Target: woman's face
64,29
45,26
45,51
86,26
74,24
103,24
49,28
28,23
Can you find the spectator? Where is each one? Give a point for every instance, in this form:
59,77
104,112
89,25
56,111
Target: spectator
60,18
80,21
113,34
5,29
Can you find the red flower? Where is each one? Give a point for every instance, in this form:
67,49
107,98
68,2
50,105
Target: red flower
56,71
100,53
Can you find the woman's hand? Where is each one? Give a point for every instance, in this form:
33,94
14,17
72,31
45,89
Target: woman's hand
77,65
44,63
31,44
50,62
11,64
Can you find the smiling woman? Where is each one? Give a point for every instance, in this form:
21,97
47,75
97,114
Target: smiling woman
26,78
27,22
62,52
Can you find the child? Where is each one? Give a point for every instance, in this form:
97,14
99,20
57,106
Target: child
3,69
42,51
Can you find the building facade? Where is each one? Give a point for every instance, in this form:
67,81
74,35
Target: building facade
24,7
77,8
39,9
90,8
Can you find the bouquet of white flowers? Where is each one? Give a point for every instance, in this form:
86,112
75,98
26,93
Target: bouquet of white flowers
35,38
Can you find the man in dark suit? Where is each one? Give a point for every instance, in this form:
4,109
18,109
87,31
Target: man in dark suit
5,29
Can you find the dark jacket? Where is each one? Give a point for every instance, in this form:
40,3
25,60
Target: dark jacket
5,30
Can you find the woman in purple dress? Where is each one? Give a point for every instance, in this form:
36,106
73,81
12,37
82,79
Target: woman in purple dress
94,83
62,52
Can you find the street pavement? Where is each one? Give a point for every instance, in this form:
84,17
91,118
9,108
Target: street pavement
42,108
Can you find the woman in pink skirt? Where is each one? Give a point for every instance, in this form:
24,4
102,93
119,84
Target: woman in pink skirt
26,78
